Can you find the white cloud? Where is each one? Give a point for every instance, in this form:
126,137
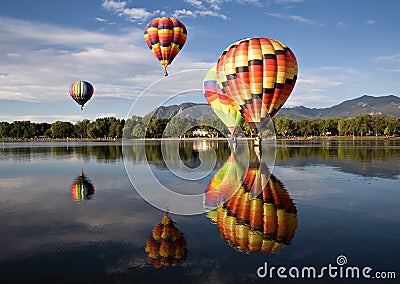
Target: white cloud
253,2
100,20
287,1
296,18
392,58
132,14
314,86
137,14
46,118
113,5
196,3
184,13
370,22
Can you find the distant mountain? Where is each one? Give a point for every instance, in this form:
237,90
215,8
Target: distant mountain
185,110
385,105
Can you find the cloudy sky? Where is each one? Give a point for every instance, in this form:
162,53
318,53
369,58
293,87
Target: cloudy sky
344,49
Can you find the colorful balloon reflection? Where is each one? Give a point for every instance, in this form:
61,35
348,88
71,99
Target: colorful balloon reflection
167,245
82,188
225,182
265,223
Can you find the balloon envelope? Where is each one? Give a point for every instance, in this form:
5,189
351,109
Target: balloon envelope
259,74
165,37
224,107
81,92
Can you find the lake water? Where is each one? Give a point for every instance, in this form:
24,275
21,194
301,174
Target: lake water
69,213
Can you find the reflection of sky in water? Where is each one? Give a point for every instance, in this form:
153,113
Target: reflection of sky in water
49,236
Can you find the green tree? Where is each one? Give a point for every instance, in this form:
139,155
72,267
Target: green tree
4,129
347,126
362,124
81,128
18,129
378,125
138,131
115,127
62,129
156,126
284,126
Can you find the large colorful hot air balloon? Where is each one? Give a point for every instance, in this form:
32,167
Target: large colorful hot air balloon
165,37
82,188
259,74
81,92
167,245
224,107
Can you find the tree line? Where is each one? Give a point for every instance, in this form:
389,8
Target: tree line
152,127
104,128
360,125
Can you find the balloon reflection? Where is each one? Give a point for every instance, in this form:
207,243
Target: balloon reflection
82,188
224,183
264,223
167,245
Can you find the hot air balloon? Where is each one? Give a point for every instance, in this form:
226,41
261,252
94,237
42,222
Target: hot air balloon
81,92
224,184
259,74
165,37
167,245
224,107
82,188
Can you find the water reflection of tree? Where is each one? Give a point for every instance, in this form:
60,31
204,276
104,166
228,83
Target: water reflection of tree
369,152
188,154
382,157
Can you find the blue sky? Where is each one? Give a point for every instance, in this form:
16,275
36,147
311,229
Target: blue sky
344,49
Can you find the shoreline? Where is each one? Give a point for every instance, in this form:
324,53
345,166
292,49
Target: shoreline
311,138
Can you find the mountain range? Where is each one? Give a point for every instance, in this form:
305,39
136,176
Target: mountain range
384,105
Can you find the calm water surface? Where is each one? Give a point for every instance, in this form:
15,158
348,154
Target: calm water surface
69,213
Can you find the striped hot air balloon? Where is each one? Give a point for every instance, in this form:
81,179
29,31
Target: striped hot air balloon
224,107
81,92
166,246
165,37
259,74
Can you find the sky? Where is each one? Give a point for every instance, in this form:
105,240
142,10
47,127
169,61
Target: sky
344,49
